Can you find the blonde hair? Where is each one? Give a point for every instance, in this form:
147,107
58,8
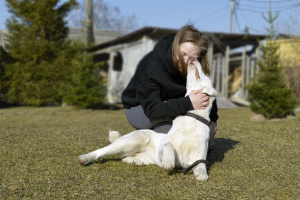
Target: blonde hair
190,34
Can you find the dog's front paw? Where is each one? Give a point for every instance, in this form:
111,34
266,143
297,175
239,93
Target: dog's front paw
200,173
83,160
201,177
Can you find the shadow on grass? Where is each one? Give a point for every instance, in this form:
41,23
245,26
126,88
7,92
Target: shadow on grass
217,155
222,147
104,160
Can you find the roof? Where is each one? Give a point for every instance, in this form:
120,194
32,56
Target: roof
287,36
101,36
232,39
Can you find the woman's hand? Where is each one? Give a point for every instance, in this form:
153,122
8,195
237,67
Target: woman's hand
199,100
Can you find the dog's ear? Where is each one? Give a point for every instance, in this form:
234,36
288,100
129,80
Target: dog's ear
199,69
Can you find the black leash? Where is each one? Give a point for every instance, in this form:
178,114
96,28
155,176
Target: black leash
211,141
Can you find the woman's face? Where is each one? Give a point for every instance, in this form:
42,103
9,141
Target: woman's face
189,52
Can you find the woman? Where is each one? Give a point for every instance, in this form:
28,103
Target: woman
155,94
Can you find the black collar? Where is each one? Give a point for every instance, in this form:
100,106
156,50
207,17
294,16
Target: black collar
209,124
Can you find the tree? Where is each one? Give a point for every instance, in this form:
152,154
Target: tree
271,19
85,89
106,17
5,59
268,94
37,33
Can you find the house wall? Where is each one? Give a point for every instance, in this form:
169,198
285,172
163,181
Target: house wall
131,54
289,50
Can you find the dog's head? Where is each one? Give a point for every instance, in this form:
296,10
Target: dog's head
196,80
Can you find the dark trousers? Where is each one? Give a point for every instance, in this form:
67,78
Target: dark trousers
137,118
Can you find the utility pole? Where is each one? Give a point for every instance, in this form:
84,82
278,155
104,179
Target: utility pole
89,23
231,16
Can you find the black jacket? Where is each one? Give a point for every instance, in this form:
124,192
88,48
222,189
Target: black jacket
158,87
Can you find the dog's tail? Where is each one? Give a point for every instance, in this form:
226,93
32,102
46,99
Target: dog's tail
113,135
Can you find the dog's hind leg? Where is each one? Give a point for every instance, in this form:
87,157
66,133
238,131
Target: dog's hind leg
167,156
124,146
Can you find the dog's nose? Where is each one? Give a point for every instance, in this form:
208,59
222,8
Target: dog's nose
191,61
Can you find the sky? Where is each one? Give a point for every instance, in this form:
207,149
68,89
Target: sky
206,15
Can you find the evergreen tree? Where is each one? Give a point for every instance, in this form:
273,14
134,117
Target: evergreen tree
5,59
37,33
85,90
268,94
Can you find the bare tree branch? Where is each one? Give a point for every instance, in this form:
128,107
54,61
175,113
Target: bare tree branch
106,17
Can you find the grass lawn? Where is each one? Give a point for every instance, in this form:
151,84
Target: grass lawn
39,149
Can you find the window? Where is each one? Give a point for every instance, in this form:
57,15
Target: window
118,62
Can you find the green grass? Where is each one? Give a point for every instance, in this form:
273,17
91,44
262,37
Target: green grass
39,148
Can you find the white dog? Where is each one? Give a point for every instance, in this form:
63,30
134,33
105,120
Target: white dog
185,145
